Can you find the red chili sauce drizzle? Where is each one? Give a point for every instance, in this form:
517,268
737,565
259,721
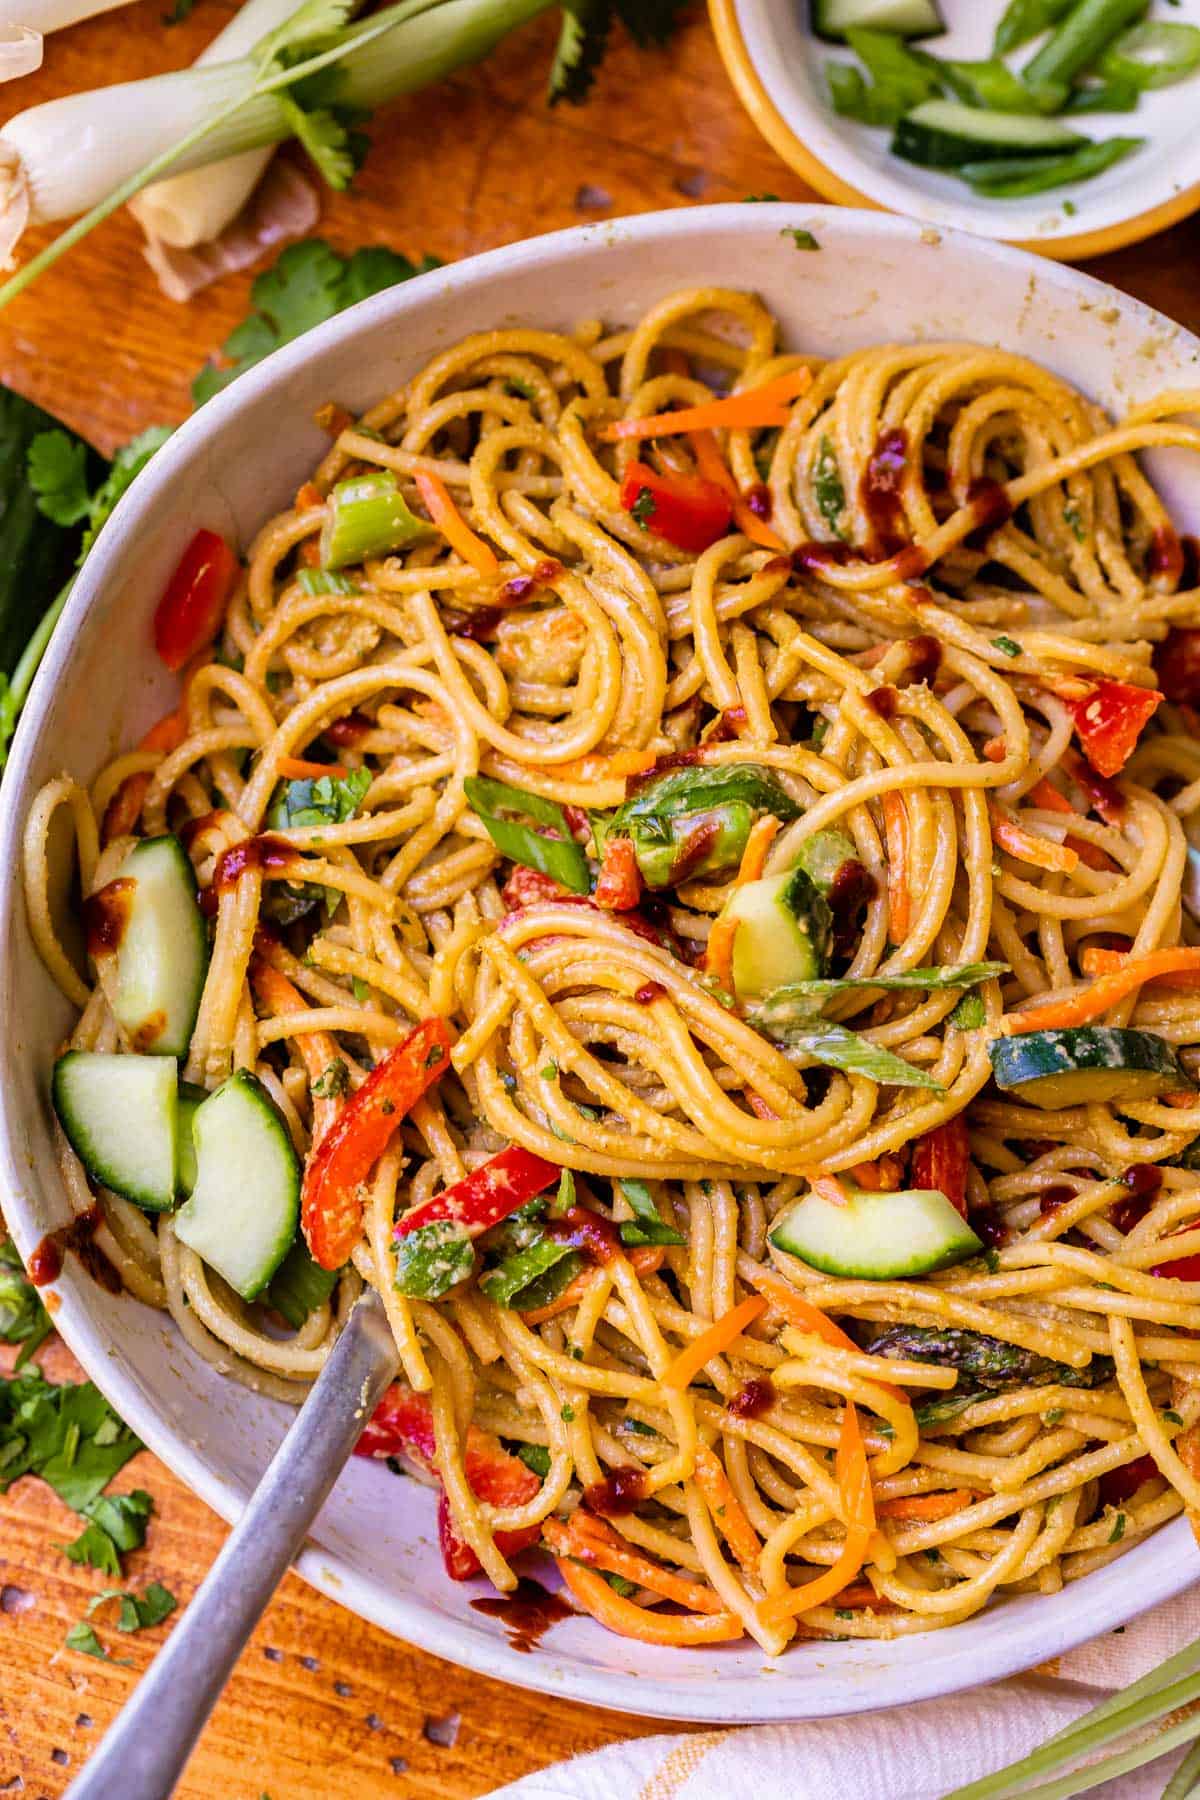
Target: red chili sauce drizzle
264,852
546,572
825,556
1104,796
105,916
852,887
476,626
527,1613
924,657
990,507
758,499
1052,1198
348,731
728,726
1165,555
618,1493
649,992
988,1226
752,1400
45,1265
1143,1181
587,1232
879,492
191,829
674,759
694,848
1189,574
884,701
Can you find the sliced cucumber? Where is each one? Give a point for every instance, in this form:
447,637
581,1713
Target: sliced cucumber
943,134
831,19
146,935
783,936
245,1205
876,1236
191,1098
120,1115
1086,1062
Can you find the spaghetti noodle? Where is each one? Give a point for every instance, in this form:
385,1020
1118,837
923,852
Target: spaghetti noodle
936,648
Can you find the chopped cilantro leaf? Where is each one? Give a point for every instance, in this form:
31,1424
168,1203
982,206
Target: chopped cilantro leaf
81,1637
644,507
1007,646
333,1080
23,1318
57,471
803,240
535,1457
970,1013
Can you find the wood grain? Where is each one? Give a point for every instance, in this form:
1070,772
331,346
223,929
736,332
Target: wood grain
323,1705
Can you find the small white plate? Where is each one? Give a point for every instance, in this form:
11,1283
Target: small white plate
777,64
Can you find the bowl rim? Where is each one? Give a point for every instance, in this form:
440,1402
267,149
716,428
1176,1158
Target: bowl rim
1164,1568
1069,247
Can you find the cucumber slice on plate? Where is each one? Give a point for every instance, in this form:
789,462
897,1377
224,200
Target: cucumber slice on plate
191,1098
784,931
245,1204
876,1236
943,134
831,19
1085,1062
121,1119
146,936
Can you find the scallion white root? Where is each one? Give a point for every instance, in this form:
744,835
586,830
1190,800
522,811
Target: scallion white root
186,210
20,51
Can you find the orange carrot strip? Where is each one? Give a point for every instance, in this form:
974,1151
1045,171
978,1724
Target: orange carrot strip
1047,796
718,953
296,768
121,813
614,767
316,1049
754,857
858,1507
1077,1009
758,1105
627,1620
645,1259
727,1510
752,408
593,1542
454,527
927,1507
860,1594
806,1317
1027,846
1107,962
884,1176
831,1189
713,467
308,495
720,1336
896,839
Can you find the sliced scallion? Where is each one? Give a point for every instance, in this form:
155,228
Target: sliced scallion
502,808
1153,54
1014,177
366,516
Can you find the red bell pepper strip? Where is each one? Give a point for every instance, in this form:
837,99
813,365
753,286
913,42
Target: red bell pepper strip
402,1425
190,612
687,510
1184,1268
331,1204
526,887
1177,664
941,1159
487,1195
1109,722
1122,1484
619,884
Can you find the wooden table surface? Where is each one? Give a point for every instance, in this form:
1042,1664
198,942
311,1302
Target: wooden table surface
322,1705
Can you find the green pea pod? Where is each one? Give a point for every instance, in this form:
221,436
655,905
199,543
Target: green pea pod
558,856
367,516
691,844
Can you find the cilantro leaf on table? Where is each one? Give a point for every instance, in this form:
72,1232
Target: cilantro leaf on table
584,37
116,1524
23,1318
138,1611
57,471
128,461
67,1434
308,284
81,1637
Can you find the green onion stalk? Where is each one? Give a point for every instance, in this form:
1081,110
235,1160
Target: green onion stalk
88,154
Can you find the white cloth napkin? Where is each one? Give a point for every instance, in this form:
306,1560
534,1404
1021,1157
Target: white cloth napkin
907,1753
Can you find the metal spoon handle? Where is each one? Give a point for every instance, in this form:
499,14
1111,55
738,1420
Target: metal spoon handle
144,1753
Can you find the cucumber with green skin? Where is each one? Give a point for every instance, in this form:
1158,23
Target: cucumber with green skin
784,933
944,134
1085,1063
148,939
245,1206
190,1097
876,1236
120,1114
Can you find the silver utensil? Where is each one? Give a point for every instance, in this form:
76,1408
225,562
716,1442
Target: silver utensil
144,1753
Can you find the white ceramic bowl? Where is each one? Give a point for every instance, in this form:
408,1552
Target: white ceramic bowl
778,64
874,278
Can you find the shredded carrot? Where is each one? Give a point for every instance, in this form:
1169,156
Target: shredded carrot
927,1508
806,1317
754,857
753,408
310,553
614,767
1047,796
591,1541
727,1510
858,1514
454,527
627,1620
718,954
1095,961
720,1336
996,749
121,813
645,1259
860,1594
308,496
758,1105
316,1049
1028,846
713,467
296,768
831,1189
884,1176
896,839
1077,1009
